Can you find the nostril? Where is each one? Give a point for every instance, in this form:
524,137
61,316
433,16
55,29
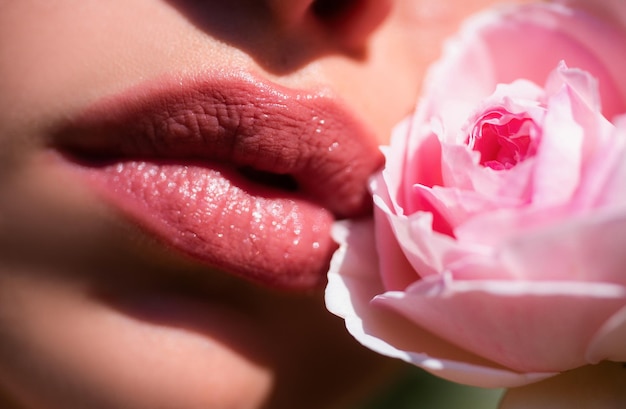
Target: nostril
328,10
351,22
347,23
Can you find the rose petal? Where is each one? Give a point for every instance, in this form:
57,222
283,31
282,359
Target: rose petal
582,41
610,341
611,15
510,186
413,157
425,249
506,321
461,167
612,11
457,206
395,270
422,254
422,246
559,157
604,176
559,253
392,175
579,82
489,45
587,248
353,281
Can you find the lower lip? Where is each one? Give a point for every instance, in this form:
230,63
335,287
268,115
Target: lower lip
219,217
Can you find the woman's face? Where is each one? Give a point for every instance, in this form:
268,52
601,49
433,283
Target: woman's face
169,171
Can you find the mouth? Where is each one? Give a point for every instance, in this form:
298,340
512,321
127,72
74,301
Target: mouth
239,173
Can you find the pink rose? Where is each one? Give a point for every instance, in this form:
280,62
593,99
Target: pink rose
498,252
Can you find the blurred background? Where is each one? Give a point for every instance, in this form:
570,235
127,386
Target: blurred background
416,389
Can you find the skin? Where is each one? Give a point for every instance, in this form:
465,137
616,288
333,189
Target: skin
217,341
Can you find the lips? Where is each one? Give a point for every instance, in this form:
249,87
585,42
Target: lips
241,174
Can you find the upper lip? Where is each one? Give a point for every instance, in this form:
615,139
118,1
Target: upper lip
303,141
294,145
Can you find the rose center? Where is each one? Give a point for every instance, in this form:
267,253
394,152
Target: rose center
503,139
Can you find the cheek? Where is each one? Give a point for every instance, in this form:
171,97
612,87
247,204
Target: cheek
61,350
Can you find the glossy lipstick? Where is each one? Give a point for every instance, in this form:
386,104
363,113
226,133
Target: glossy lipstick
240,173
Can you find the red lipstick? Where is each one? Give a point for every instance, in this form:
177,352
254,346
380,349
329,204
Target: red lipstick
240,173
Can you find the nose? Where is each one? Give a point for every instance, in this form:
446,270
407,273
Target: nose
349,23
